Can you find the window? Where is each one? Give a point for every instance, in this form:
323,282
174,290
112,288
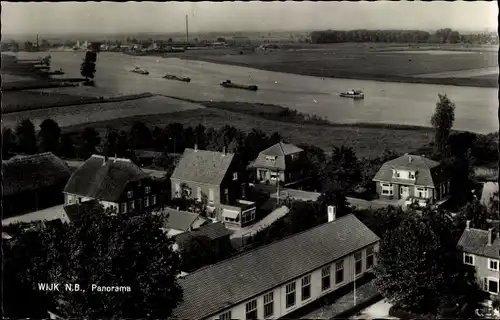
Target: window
225,316
395,174
290,295
139,203
147,189
235,176
248,216
226,195
251,308
325,278
370,258
268,305
211,195
146,202
153,199
387,189
468,259
130,194
198,193
131,205
491,285
358,257
70,199
306,287
178,189
339,272
493,264
123,207
411,175
422,192
270,158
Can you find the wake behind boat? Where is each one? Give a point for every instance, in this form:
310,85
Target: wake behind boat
354,94
174,77
140,71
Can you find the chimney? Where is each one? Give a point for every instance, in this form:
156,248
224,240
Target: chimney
116,158
467,226
104,160
490,236
409,159
332,212
224,150
178,209
195,147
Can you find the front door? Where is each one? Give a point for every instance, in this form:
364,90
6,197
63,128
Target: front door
404,192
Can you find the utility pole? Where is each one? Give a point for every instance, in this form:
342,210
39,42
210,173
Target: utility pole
37,41
187,30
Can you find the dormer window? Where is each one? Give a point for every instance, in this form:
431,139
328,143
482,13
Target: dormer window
412,175
270,158
235,176
294,156
395,174
147,189
130,194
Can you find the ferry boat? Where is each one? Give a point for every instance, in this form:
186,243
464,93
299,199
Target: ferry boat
354,94
173,77
140,71
229,84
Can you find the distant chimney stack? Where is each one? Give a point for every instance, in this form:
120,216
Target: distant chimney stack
224,150
178,209
332,213
409,159
490,236
467,225
195,147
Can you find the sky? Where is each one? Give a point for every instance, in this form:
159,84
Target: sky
169,17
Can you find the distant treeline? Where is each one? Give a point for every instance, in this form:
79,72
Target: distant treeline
401,36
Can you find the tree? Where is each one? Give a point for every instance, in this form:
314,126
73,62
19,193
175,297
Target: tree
8,142
122,250
342,171
382,220
115,143
26,138
196,251
91,140
442,121
67,149
140,136
418,269
476,213
49,136
87,68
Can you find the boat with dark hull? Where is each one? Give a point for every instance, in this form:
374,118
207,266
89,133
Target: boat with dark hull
173,77
229,84
353,94
140,71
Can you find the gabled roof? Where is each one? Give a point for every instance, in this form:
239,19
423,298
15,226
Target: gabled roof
29,173
429,172
212,230
203,166
180,220
475,241
214,288
103,179
279,150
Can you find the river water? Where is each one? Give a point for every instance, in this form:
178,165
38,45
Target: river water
385,102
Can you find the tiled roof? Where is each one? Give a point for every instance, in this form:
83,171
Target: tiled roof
429,172
212,231
103,180
214,288
279,150
203,166
180,220
475,241
28,173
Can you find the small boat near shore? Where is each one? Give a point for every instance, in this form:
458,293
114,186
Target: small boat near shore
140,71
229,84
353,94
57,72
174,77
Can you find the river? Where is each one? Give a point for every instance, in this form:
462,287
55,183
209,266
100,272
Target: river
385,102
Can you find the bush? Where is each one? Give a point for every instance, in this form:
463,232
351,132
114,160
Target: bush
403,314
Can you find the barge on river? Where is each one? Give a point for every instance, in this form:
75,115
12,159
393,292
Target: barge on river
229,84
140,71
173,77
353,94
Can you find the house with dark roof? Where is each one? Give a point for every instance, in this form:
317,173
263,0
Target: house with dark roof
114,182
413,178
214,177
178,221
481,249
216,233
31,183
282,163
276,279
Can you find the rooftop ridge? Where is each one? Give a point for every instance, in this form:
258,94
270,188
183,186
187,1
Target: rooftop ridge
30,156
208,151
280,144
270,244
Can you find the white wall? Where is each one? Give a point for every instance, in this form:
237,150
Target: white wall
72,199
280,310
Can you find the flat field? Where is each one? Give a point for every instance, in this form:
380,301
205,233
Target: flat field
368,61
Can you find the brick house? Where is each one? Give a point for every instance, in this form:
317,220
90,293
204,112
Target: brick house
31,183
414,178
113,182
275,280
281,162
481,249
215,177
